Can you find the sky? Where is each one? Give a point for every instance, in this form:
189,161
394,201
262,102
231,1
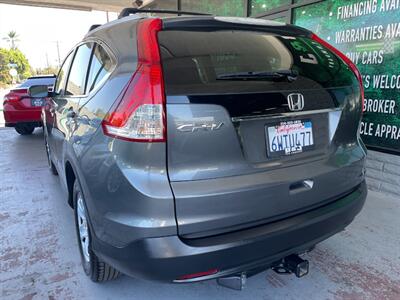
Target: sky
40,29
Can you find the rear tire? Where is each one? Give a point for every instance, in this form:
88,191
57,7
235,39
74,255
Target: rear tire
24,129
94,267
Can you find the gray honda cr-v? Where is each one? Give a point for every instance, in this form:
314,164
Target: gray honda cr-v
200,147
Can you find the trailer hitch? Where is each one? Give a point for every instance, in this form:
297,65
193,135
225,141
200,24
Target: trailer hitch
292,264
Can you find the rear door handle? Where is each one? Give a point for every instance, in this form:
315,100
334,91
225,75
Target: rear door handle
301,186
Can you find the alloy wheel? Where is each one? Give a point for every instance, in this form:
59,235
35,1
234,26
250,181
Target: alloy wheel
83,228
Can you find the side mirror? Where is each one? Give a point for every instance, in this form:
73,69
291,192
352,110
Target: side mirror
38,91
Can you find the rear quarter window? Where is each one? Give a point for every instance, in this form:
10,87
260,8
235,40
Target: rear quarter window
100,67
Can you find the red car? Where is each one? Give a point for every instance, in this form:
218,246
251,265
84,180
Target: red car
23,112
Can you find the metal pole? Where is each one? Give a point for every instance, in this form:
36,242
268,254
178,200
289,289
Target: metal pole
108,17
247,8
179,6
58,53
47,60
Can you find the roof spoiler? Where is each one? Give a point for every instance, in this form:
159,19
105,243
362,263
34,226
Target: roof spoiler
131,10
43,76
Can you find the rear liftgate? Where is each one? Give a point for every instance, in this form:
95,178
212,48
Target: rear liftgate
219,94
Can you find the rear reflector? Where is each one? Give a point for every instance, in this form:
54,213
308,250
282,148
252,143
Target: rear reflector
197,275
139,114
347,60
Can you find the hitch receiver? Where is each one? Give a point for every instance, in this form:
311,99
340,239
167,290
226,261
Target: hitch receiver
292,264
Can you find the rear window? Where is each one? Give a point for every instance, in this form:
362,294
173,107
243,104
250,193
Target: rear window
49,81
194,61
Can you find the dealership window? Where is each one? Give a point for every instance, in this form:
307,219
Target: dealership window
261,6
217,7
301,1
369,36
317,17
163,4
283,19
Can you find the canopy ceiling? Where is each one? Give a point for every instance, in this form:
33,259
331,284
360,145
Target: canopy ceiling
105,5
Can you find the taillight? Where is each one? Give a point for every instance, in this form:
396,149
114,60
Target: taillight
15,95
139,113
347,60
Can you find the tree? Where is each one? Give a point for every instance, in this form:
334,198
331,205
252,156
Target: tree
18,58
5,77
13,56
12,39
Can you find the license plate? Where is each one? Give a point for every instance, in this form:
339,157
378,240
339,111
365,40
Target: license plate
37,102
290,137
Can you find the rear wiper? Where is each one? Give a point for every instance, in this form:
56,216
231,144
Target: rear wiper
290,75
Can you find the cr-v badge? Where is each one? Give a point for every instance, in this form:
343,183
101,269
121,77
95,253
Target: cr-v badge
295,102
193,127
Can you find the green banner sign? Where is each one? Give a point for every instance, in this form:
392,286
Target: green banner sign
369,33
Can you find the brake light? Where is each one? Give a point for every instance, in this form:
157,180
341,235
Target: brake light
347,60
139,113
15,95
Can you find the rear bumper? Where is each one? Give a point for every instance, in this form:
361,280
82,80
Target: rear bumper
168,258
36,124
14,115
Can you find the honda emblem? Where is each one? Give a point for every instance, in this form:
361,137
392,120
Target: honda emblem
295,102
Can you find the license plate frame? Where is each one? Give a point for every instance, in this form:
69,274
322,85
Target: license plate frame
294,129
37,102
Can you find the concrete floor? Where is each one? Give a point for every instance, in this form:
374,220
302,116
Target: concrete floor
39,256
